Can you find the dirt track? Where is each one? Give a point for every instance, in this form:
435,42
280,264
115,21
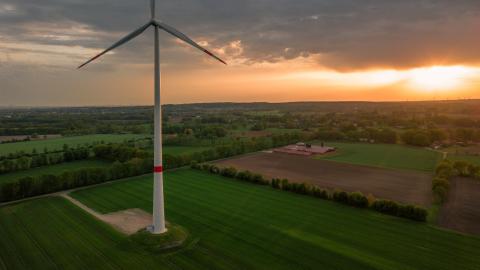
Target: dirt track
402,186
127,221
462,210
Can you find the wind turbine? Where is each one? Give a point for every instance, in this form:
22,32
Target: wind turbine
158,226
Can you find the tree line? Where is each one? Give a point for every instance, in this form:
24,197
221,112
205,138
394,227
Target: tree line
34,160
128,161
33,186
235,148
444,173
355,199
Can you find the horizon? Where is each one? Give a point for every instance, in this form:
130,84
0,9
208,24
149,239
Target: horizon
233,102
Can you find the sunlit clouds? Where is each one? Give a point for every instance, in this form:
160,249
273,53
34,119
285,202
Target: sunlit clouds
422,79
308,50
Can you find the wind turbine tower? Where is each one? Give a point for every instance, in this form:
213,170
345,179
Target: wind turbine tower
158,226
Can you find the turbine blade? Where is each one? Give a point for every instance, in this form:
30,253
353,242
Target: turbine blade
152,8
122,41
167,28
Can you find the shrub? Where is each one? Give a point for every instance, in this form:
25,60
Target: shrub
386,207
229,172
357,199
285,185
195,165
461,168
300,188
444,169
276,183
206,167
214,169
340,196
412,212
371,199
319,193
440,194
440,182
257,178
244,175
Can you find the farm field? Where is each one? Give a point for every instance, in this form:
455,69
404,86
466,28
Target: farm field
398,185
23,137
461,212
182,150
53,169
273,223
469,158
232,225
52,233
57,144
384,156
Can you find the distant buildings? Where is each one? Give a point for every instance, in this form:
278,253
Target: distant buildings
304,149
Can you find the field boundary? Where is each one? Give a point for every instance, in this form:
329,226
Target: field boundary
59,193
354,199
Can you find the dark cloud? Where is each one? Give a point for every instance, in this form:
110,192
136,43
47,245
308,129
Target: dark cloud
347,34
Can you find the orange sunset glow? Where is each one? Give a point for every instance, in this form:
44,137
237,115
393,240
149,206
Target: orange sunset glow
351,54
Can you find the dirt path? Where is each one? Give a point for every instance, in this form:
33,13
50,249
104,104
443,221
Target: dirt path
81,205
127,221
397,185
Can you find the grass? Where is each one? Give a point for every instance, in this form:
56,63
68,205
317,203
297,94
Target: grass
231,225
182,150
282,130
57,144
389,156
53,169
237,225
54,234
469,158
173,239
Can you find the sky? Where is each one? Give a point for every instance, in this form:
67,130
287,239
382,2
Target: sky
277,51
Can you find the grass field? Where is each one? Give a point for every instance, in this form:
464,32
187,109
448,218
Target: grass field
385,156
182,150
237,225
57,144
54,169
54,234
468,158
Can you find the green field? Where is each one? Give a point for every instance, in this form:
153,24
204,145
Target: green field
57,144
54,234
468,158
54,169
182,150
232,225
385,156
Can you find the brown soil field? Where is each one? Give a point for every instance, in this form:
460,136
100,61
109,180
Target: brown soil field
462,210
397,185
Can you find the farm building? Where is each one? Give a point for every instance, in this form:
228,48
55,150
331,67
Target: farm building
304,149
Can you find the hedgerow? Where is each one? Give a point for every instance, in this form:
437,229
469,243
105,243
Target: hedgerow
355,199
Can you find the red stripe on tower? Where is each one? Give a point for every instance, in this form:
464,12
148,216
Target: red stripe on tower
157,169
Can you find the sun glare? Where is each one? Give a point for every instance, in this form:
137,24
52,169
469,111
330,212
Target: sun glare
437,78
421,79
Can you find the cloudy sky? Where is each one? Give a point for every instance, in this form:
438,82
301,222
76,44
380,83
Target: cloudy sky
277,50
